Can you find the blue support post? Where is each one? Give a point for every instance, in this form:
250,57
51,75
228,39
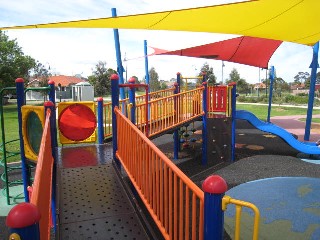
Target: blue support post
100,120
132,99
115,103
214,188
53,132
24,167
120,68
52,98
23,221
176,132
52,92
146,63
204,77
179,81
314,65
204,160
233,120
271,77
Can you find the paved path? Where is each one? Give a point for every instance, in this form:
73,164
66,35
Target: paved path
294,125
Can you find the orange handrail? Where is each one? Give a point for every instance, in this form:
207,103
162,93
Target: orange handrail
155,95
42,185
172,199
169,112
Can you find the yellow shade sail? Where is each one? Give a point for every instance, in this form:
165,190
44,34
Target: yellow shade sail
287,20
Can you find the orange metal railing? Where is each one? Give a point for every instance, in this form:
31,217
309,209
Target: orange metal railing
107,114
172,199
155,95
169,112
42,185
229,101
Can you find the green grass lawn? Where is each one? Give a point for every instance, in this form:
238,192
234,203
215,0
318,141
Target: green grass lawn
11,129
261,111
314,120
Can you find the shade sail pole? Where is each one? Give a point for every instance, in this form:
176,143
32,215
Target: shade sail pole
314,65
120,68
272,76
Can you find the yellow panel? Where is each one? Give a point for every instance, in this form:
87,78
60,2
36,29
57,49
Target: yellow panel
64,105
287,20
26,110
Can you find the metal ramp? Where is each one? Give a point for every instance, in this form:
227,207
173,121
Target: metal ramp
92,203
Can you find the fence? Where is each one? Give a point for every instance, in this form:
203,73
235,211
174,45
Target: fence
172,199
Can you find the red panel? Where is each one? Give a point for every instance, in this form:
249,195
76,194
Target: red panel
217,99
77,122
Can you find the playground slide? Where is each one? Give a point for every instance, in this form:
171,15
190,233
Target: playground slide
308,148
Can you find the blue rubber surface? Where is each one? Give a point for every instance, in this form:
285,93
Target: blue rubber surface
309,148
285,199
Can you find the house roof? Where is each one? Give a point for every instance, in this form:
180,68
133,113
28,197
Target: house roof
65,80
259,85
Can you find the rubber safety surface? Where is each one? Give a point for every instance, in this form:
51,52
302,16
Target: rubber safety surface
92,202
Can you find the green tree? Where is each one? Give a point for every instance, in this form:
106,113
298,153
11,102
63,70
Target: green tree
100,79
318,78
301,77
163,86
242,85
154,80
41,73
13,62
281,84
211,78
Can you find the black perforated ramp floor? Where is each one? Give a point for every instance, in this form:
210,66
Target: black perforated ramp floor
94,205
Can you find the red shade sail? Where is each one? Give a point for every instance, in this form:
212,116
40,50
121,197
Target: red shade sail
245,50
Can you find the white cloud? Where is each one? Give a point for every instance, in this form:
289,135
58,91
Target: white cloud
71,51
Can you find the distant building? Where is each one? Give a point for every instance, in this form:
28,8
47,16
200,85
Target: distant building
259,86
300,86
63,85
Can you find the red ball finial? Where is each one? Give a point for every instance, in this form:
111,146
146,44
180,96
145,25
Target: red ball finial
23,215
19,80
114,77
48,104
214,184
132,80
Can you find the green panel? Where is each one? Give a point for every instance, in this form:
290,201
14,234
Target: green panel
34,131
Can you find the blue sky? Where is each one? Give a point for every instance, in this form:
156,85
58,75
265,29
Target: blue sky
76,51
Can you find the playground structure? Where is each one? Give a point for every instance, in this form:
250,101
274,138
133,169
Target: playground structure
162,187
159,173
